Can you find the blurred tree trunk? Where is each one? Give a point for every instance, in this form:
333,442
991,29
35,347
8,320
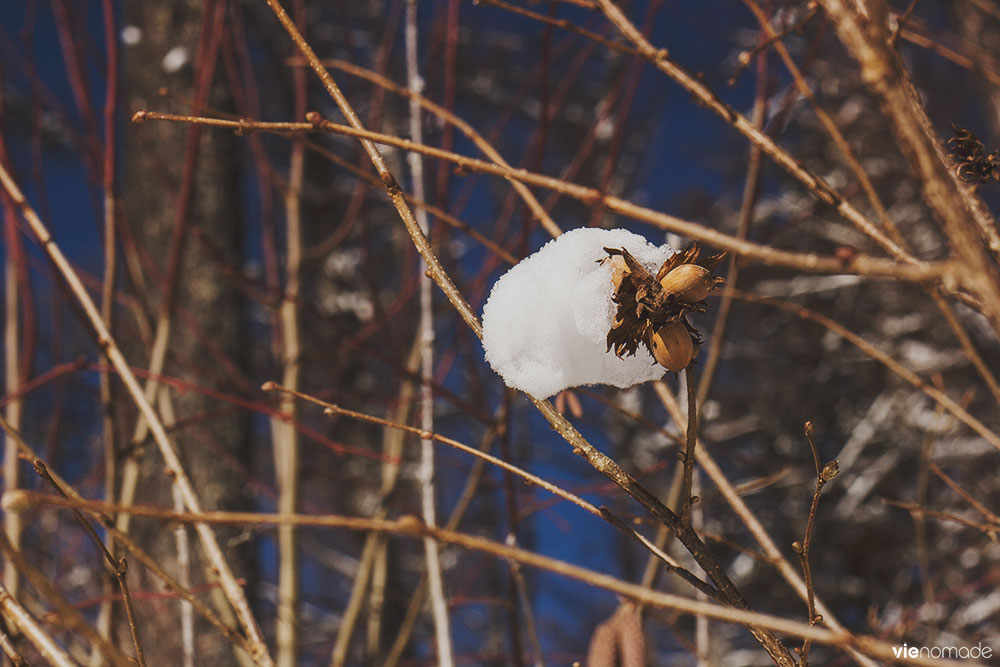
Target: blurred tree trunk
155,159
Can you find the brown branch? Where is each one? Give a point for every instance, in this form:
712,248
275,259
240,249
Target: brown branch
671,564
692,442
816,185
774,555
962,214
937,395
109,348
118,567
858,264
953,485
412,526
69,616
20,617
823,475
991,530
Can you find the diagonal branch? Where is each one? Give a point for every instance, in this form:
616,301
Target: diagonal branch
109,348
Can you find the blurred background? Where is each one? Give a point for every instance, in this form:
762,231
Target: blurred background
225,259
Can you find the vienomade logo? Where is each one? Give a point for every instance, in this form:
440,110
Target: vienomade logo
961,652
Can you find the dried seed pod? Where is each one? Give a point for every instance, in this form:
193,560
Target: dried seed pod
672,346
688,283
619,271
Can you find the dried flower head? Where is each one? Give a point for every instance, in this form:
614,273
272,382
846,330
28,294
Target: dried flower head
653,310
972,164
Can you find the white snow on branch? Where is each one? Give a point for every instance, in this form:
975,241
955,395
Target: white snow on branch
546,322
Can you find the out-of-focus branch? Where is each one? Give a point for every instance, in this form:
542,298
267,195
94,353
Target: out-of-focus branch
948,403
286,437
447,116
118,566
412,526
816,185
858,264
19,616
69,616
425,334
140,555
12,380
962,214
109,432
749,519
109,348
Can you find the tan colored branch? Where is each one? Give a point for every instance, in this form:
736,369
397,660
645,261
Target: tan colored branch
961,213
19,616
944,272
412,526
110,350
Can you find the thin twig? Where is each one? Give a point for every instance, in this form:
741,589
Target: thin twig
447,116
746,57
13,363
991,530
774,555
412,526
10,650
69,616
286,442
823,475
953,485
692,442
425,331
937,395
118,567
857,264
901,21
109,348
671,564
129,544
108,416
751,189
32,630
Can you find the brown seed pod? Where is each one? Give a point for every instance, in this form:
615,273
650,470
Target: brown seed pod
619,270
651,309
672,346
688,283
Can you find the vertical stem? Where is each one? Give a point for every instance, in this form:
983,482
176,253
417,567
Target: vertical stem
12,365
109,348
439,605
702,635
106,615
183,545
184,579
286,440
823,475
692,441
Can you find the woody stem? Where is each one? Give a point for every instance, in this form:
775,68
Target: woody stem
692,441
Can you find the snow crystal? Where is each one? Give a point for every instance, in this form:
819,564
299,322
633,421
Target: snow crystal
546,322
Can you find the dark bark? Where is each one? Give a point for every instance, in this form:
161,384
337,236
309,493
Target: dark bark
153,180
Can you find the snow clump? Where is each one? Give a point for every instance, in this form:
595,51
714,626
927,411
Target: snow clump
546,322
